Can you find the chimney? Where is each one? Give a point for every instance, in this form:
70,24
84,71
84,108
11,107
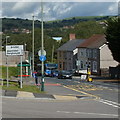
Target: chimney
72,36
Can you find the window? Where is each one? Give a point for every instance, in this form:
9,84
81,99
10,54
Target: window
60,65
94,66
81,53
94,53
81,64
87,53
90,53
65,55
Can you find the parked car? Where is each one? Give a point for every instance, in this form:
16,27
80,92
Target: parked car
64,74
48,73
55,73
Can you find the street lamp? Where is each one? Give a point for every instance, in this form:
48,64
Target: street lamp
58,39
33,46
42,47
7,60
25,50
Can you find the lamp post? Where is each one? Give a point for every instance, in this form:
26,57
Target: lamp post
42,47
33,47
52,53
58,39
7,61
25,50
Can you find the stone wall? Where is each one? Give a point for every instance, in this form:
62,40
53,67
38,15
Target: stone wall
12,60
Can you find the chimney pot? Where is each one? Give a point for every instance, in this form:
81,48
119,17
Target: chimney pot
72,36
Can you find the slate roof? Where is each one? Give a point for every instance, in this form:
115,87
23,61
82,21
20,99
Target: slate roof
94,41
70,45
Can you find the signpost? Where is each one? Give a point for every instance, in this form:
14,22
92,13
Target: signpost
42,58
16,50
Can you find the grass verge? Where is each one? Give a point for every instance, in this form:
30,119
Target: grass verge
26,88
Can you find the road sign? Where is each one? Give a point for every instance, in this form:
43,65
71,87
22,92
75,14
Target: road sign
40,53
42,58
14,50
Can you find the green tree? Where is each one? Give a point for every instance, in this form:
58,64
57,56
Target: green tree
113,37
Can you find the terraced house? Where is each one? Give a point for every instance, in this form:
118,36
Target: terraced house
67,53
94,53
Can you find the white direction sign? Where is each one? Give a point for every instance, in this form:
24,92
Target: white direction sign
14,50
40,53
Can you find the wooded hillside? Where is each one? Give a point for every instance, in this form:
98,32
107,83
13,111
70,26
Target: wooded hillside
83,27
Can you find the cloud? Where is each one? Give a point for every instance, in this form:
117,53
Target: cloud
58,10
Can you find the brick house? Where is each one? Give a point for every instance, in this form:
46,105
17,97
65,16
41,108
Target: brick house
67,54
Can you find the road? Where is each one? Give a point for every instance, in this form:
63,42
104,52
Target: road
103,90
104,107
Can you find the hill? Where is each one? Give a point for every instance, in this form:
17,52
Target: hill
20,32
9,24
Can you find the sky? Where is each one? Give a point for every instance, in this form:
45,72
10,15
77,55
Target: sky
57,10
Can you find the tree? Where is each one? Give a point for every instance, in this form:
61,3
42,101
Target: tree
113,37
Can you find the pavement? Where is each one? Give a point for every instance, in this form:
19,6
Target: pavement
50,92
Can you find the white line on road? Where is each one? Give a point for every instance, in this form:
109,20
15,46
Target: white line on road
76,81
101,114
69,80
111,103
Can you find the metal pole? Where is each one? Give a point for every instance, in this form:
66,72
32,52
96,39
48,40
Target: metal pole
25,50
21,72
7,70
7,63
52,53
33,47
30,67
42,45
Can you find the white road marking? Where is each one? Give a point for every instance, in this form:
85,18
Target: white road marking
76,81
101,114
69,80
111,103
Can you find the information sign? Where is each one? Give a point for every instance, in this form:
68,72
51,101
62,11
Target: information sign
40,53
42,58
14,50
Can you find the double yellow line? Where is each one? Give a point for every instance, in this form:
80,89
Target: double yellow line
91,95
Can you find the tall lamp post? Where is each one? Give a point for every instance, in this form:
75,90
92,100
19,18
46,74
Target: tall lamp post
58,39
25,50
42,47
7,61
33,46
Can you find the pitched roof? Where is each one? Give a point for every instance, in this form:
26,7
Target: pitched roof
94,41
70,45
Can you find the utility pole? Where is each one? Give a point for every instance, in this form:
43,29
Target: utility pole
7,62
42,47
33,47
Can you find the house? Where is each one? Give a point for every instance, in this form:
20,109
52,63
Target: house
94,53
89,53
106,58
67,53
107,63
